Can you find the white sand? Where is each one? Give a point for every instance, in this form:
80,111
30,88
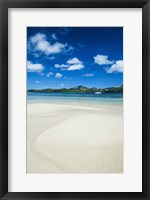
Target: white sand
74,139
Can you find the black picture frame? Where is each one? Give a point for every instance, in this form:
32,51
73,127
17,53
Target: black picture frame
4,6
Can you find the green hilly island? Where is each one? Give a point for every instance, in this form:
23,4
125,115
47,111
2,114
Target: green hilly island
80,89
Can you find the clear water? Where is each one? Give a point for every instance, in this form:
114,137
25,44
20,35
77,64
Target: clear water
75,98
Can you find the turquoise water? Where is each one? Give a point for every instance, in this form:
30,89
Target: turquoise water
75,98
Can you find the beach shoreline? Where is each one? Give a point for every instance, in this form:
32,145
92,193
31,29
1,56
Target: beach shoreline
66,138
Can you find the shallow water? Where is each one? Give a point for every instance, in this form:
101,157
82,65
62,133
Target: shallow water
75,98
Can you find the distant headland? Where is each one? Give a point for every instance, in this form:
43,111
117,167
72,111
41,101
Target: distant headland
80,89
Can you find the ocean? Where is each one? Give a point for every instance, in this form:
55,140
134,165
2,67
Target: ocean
76,98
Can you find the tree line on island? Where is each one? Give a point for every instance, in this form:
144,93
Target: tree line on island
80,89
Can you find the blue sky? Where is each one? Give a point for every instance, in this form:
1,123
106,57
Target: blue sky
59,57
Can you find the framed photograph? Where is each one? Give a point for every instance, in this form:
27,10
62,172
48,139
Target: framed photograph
74,99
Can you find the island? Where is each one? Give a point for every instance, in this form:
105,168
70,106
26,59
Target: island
80,89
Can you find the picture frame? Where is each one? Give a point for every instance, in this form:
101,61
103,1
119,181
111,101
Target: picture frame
4,108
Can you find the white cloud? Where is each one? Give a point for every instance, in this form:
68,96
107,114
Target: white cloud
37,81
117,67
49,74
102,60
88,75
62,85
60,66
39,43
58,75
38,37
34,67
72,64
75,67
74,61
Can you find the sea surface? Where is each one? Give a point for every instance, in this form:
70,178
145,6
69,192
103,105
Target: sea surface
75,98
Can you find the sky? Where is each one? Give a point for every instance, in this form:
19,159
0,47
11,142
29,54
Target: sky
65,57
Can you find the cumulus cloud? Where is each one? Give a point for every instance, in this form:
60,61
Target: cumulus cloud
58,75
62,85
88,75
75,67
117,67
49,74
75,64
102,60
34,67
74,61
39,43
71,64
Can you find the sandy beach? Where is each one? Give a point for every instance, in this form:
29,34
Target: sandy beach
65,138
